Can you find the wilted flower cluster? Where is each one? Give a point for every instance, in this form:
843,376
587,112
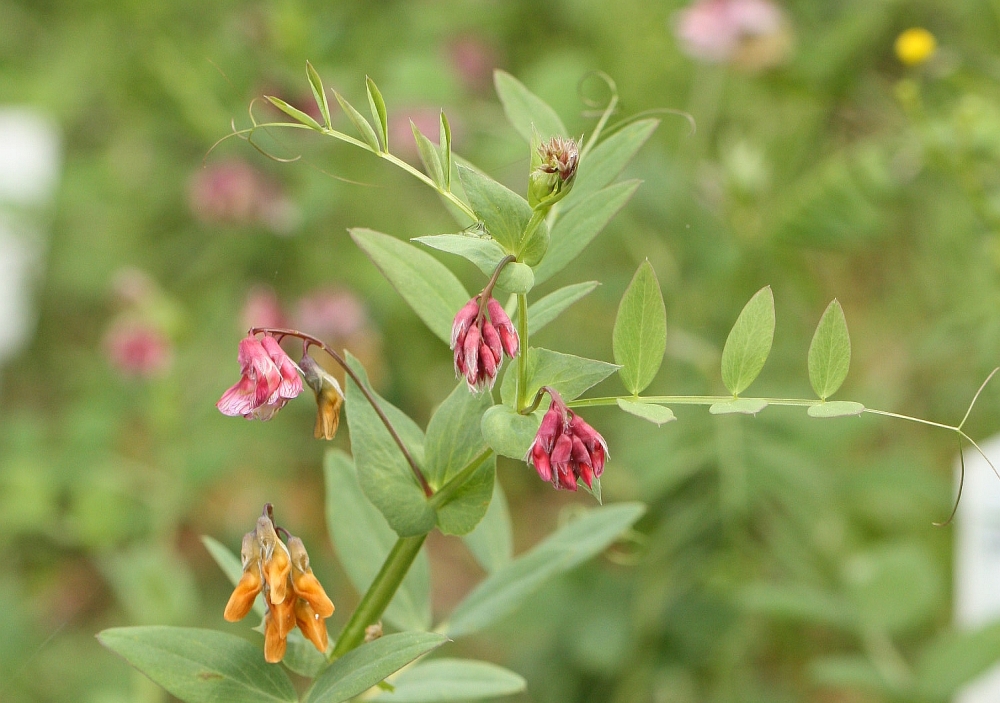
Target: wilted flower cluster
480,342
269,379
566,448
553,169
292,594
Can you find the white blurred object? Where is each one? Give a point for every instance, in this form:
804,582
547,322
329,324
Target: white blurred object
30,158
977,560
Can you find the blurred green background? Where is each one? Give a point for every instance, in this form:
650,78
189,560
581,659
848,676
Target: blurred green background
783,558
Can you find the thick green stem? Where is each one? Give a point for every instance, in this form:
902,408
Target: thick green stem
378,595
522,356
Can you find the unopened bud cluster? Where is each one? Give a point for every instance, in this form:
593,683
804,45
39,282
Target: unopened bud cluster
566,448
553,169
479,342
293,596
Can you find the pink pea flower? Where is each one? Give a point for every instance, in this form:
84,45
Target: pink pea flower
480,341
268,380
566,449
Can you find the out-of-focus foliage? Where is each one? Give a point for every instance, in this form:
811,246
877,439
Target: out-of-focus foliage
782,559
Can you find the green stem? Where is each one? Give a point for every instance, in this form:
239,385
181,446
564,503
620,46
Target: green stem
378,595
455,200
522,355
448,491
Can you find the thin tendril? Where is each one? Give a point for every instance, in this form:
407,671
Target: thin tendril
961,484
976,396
979,449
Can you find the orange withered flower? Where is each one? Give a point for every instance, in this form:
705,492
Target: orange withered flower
329,397
292,593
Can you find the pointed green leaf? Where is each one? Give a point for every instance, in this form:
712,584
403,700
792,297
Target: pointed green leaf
294,113
363,539
507,588
444,143
359,122
377,105
361,668
319,93
835,408
504,213
573,231
201,666
433,291
739,406
428,156
829,352
568,374
545,310
749,342
508,432
384,474
525,110
492,542
657,414
231,567
640,334
486,254
441,680
606,160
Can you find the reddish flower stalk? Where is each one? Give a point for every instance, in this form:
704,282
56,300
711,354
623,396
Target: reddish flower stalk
566,448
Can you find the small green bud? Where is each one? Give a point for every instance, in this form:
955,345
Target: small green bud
553,170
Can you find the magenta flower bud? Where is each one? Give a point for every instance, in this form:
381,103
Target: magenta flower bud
492,340
566,448
470,349
269,379
487,366
551,427
505,328
291,383
463,319
539,458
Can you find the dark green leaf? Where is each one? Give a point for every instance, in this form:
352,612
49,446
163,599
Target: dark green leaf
359,122
640,333
606,160
440,680
657,414
363,540
467,506
829,352
433,291
506,589
573,231
384,474
377,105
294,113
509,433
568,374
201,666
361,668
525,110
504,213
749,342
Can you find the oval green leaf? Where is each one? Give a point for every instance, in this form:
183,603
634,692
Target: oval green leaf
545,310
640,334
829,352
568,374
749,342
504,213
739,406
201,666
441,680
509,433
657,414
361,668
835,408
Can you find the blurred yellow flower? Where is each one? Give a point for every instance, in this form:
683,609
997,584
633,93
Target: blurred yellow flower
915,45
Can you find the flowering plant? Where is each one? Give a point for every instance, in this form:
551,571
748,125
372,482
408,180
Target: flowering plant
402,481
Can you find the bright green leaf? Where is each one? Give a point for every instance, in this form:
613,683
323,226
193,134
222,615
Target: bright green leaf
384,474
640,334
433,291
492,542
508,432
836,408
361,668
657,414
507,588
444,142
359,122
525,110
829,352
606,160
739,406
573,231
429,156
441,680
201,666
363,539
568,374
294,113
377,105
319,93
545,310
749,342
504,213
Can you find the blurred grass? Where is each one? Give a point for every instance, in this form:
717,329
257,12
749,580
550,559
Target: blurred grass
840,174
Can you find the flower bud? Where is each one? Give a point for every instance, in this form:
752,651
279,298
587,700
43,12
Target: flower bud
329,397
553,170
508,335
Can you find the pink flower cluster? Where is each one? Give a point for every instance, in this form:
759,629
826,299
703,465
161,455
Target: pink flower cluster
566,448
716,30
269,379
480,343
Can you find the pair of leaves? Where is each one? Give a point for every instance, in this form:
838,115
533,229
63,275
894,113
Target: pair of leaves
204,666
437,160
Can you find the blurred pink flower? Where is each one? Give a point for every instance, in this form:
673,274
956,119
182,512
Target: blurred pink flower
262,309
473,60
752,34
234,193
331,315
138,349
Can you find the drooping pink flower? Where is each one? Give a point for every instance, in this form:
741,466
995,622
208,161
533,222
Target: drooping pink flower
480,340
566,449
268,380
